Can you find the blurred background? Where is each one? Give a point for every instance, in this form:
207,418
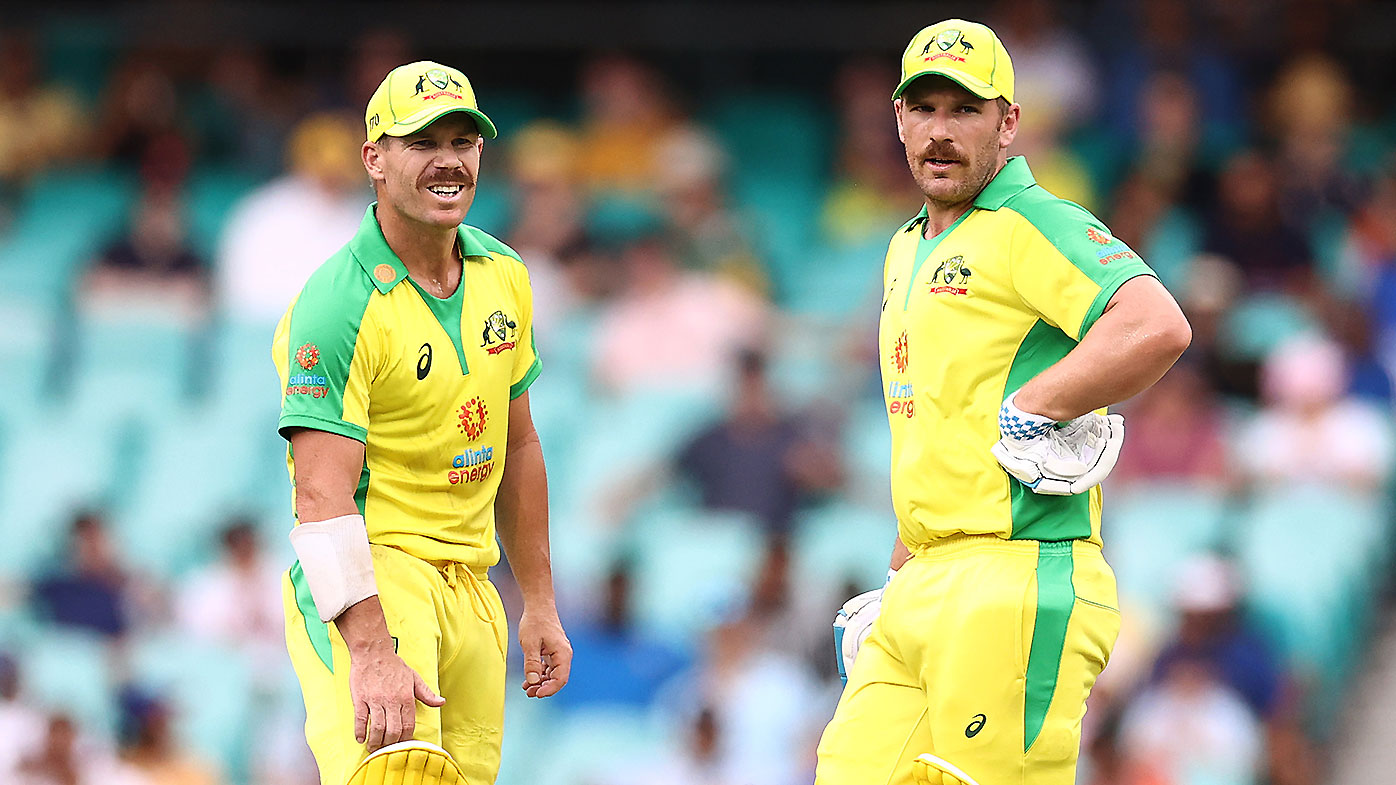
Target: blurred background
703,193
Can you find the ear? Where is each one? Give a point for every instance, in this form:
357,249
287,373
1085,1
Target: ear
1008,129
897,110
373,161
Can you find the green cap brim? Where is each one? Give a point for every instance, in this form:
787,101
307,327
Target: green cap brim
976,86
414,124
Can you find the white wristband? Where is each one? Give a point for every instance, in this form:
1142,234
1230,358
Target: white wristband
337,563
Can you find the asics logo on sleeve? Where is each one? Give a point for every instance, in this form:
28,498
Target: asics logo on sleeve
976,724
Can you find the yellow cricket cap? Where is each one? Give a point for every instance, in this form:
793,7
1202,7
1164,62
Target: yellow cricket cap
967,52
412,96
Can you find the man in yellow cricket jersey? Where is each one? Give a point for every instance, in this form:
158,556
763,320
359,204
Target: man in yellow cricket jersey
1010,319
405,364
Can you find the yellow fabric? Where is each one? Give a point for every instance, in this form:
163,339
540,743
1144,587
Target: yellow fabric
958,312
967,52
435,445
412,96
945,666
449,626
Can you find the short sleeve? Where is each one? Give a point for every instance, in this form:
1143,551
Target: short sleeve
527,364
1066,265
324,352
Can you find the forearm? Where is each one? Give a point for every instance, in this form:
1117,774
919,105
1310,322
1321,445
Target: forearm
521,514
1123,353
363,626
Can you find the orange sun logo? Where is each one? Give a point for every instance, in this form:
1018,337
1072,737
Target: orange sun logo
900,357
308,356
1099,236
472,418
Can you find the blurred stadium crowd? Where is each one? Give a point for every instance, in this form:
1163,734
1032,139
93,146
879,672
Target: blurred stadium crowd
706,272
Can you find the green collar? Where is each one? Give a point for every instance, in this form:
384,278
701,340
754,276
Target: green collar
1014,178
371,251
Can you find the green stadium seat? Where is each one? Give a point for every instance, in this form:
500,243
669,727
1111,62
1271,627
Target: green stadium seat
843,543
52,466
691,568
52,239
589,746
1258,324
72,672
211,689
1313,559
209,198
1151,530
136,360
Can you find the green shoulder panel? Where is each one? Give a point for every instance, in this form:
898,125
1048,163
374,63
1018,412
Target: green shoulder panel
323,331
1083,240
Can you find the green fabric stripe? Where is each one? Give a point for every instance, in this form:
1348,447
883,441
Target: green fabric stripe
340,427
924,249
328,314
521,386
315,629
448,315
361,492
1055,597
1036,516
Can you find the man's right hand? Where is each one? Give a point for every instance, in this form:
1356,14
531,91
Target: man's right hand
385,692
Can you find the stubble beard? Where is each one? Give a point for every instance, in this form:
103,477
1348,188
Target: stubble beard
981,171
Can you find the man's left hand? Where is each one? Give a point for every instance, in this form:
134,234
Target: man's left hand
1058,460
547,653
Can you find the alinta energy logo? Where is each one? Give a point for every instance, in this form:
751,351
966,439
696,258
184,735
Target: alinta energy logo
473,416
900,356
1113,249
899,394
478,464
311,384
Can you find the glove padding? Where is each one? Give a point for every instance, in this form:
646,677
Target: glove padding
852,624
1065,460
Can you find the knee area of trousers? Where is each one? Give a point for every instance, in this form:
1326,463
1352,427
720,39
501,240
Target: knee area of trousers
411,762
928,769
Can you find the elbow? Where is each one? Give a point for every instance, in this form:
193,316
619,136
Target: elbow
1173,336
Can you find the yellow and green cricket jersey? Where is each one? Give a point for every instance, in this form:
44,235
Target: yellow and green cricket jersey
970,316
424,383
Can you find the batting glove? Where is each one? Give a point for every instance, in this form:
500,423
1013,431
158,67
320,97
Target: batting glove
852,624
1058,460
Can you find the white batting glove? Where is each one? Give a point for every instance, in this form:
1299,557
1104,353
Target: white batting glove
1058,460
852,624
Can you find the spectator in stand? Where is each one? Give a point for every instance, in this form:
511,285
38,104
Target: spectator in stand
1212,632
1309,431
237,601
1190,729
707,321
615,664
279,234
1311,114
62,758
150,754
869,195
626,112
709,236
140,109
1176,433
546,221
153,258
92,590
21,725
759,459
39,122
700,761
1248,228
